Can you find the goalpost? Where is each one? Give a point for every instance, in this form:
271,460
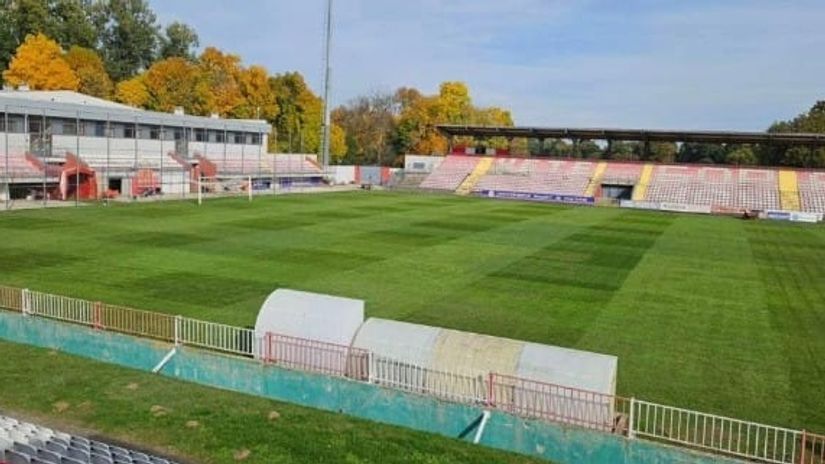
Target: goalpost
224,187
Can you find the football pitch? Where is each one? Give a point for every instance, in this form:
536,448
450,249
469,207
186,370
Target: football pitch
715,314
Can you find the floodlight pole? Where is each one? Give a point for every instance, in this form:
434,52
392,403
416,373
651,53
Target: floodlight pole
327,71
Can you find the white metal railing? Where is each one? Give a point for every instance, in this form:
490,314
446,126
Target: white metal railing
218,337
710,432
58,307
522,397
416,379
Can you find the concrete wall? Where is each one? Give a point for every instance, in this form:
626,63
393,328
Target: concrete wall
422,164
564,445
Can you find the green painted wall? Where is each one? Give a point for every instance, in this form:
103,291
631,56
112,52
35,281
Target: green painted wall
566,445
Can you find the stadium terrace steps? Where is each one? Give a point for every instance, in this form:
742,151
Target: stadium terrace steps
23,443
640,191
812,191
789,190
20,166
596,180
561,177
450,173
480,171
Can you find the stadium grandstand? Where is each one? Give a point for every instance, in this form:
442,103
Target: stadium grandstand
23,443
59,145
695,188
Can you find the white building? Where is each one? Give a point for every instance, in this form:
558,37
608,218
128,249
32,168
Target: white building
131,151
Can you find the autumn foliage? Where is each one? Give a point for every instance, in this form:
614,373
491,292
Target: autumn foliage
40,64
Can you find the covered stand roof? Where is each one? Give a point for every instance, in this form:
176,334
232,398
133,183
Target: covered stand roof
805,139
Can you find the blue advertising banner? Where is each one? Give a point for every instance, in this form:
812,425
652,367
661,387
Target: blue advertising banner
543,197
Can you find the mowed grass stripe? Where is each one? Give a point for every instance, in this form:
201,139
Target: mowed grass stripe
690,325
549,294
790,261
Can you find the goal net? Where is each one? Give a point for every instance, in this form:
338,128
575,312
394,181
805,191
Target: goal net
224,187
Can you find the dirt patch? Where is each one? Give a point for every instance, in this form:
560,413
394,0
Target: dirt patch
60,406
273,415
192,424
158,411
132,386
241,454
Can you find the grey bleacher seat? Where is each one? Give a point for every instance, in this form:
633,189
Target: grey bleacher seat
78,453
48,456
68,460
24,448
138,455
99,459
56,446
17,457
122,460
36,460
157,460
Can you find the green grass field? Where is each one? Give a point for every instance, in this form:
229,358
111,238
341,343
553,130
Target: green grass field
710,313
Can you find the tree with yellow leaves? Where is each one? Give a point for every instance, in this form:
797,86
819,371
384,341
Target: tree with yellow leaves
39,64
220,72
258,98
88,67
132,92
176,82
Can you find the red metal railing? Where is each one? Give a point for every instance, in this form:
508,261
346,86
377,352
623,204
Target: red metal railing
11,298
812,450
567,405
315,356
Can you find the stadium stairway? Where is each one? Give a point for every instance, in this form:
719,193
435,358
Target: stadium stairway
596,180
480,171
640,191
789,191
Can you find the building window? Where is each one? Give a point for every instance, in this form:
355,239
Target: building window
200,135
256,139
64,127
237,137
128,131
15,123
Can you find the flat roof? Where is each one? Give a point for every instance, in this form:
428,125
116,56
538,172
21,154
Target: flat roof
651,135
68,104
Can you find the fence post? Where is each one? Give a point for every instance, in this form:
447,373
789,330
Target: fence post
178,322
370,364
631,433
490,398
97,323
268,347
803,446
27,302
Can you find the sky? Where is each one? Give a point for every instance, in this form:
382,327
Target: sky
694,64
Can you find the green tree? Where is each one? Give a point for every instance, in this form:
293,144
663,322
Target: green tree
370,122
740,155
298,122
128,36
179,40
72,23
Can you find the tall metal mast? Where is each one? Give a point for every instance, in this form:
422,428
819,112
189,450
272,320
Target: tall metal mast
327,70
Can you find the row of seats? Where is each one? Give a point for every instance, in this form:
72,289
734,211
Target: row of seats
716,186
292,164
451,173
18,166
25,443
812,191
538,176
720,186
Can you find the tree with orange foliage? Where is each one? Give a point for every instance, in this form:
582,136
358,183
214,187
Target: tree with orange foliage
220,72
39,64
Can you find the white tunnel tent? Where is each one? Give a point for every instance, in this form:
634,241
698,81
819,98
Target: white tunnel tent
456,364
